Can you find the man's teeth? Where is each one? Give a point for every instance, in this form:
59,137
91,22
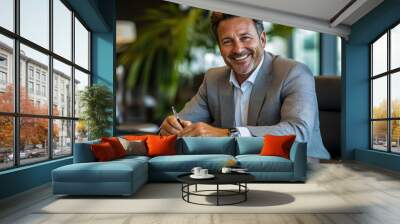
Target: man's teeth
241,58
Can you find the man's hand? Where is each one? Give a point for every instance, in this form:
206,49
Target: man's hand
171,126
202,129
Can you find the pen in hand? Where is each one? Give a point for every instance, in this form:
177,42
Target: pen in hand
176,116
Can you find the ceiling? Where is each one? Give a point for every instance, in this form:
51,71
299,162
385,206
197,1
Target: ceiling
325,16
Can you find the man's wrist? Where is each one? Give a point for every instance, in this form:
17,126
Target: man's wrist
227,132
233,132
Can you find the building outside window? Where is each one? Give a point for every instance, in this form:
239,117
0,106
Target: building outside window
3,79
55,97
37,75
38,89
3,61
30,87
43,90
58,133
385,92
44,77
3,72
30,72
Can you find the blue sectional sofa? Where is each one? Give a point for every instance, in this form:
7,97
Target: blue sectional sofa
125,176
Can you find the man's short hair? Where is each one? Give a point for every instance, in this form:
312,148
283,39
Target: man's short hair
217,17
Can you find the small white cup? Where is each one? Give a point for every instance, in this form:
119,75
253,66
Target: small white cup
196,170
203,172
226,170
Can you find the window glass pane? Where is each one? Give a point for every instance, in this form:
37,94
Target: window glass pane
379,55
395,95
379,135
81,45
35,21
306,48
62,89
62,29
34,97
379,97
395,136
6,74
6,142
33,139
81,81
62,138
339,55
7,14
395,47
81,131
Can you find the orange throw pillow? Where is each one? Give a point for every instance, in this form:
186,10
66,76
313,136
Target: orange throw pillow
277,145
103,152
116,145
161,145
135,137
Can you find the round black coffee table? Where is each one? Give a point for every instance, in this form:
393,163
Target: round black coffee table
238,179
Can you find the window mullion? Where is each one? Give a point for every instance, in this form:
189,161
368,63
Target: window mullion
73,83
16,84
371,140
50,81
389,127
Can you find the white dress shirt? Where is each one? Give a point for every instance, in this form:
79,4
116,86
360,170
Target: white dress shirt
241,95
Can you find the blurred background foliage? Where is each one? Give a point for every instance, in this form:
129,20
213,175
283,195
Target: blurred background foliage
154,58
159,63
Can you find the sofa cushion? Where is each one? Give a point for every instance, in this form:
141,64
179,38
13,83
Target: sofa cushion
277,145
184,163
135,137
249,145
257,163
206,145
161,145
134,147
103,152
116,145
131,158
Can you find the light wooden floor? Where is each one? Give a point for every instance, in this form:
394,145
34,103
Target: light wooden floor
379,189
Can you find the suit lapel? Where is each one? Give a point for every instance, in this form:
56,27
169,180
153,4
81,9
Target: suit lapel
259,90
227,102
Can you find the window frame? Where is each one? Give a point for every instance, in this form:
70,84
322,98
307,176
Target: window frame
16,114
388,74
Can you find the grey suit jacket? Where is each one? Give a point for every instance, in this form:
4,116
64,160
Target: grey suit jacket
282,102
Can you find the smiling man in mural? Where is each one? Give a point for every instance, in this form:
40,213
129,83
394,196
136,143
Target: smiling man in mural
255,94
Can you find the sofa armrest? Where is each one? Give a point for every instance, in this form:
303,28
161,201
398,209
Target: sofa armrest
83,152
298,155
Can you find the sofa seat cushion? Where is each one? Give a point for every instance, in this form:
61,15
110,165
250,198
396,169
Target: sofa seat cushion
184,163
133,158
257,163
112,171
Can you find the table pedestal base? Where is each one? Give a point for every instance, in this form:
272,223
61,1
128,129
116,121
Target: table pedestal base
220,193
